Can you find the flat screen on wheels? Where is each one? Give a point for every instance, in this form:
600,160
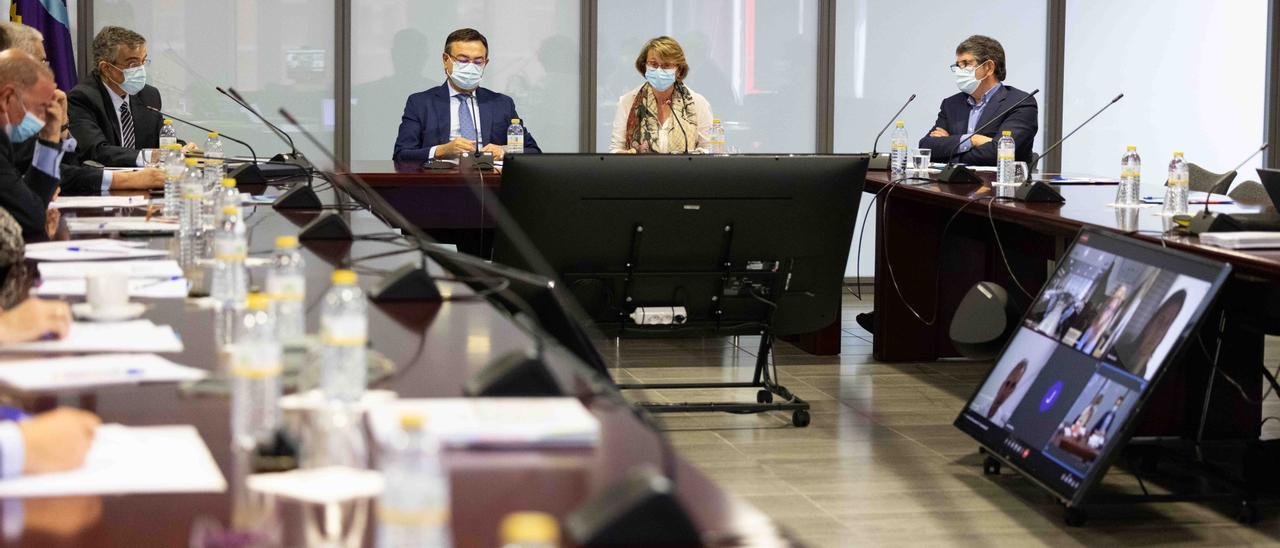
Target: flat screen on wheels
1064,394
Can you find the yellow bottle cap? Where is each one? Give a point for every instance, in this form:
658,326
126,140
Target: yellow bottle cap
515,120
1006,133
1131,147
230,210
191,161
344,277
286,241
530,528
213,134
1177,153
229,183
715,120
411,421
174,146
900,123
168,122
257,302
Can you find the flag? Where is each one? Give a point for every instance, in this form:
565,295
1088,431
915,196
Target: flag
50,18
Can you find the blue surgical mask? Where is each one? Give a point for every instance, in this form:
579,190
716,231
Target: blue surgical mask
660,79
966,79
466,75
134,80
29,127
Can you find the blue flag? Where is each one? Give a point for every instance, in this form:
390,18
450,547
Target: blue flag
50,18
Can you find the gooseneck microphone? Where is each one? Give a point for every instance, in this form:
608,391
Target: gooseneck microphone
876,143
956,173
205,129
293,156
1035,160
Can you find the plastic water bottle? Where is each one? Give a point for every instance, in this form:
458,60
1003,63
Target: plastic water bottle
255,373
1005,174
214,155
515,138
230,246
226,195
716,142
1175,196
168,135
288,288
1130,178
414,507
530,530
191,187
173,168
344,326
899,156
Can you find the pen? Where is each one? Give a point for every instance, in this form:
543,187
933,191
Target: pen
98,249
12,414
158,282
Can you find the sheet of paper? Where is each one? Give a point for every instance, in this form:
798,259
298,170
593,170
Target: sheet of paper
76,202
97,370
90,250
328,485
91,225
85,337
494,422
136,269
126,460
139,288
1193,197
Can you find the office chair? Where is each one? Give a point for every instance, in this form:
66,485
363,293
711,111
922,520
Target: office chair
1250,193
1202,179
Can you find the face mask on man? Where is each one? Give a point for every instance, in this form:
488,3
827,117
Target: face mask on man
134,79
967,78
660,79
29,127
466,75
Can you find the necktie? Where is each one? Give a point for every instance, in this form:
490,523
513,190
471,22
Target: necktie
127,139
466,124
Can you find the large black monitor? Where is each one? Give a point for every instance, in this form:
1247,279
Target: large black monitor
1064,394
709,233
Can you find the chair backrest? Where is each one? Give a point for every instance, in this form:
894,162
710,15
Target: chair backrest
1250,193
1202,180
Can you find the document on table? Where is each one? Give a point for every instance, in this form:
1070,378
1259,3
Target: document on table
127,460
51,375
136,269
85,337
87,225
512,423
328,485
90,250
175,287
75,202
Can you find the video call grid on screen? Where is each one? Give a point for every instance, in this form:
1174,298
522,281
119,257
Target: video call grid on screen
1113,316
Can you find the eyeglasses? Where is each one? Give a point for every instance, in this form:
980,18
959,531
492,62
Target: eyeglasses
966,64
464,60
134,64
663,66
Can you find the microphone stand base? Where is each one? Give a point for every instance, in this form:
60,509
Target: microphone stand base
878,161
301,196
409,283
1037,191
958,174
328,226
248,174
517,374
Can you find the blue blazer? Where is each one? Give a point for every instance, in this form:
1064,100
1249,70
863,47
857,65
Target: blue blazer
426,122
1023,121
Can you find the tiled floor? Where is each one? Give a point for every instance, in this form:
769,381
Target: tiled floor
880,463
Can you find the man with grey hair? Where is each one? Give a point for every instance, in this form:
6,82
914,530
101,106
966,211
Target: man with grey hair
32,108
77,179
979,72
109,111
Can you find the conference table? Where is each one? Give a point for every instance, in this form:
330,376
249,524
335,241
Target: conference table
435,348
934,241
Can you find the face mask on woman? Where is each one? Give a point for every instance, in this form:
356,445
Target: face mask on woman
660,79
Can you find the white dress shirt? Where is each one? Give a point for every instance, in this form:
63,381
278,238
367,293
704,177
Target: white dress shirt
701,109
454,105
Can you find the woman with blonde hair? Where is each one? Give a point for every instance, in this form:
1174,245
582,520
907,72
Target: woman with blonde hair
662,115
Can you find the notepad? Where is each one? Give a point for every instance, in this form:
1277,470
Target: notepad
82,202
52,375
86,337
90,250
91,225
128,460
497,423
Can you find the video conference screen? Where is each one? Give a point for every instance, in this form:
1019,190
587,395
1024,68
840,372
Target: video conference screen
1062,395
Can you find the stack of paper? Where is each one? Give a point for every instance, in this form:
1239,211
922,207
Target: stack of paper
124,460
85,337
85,225
90,250
85,202
1242,240
50,375
160,279
494,422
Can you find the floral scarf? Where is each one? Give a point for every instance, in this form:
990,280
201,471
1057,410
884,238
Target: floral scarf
643,126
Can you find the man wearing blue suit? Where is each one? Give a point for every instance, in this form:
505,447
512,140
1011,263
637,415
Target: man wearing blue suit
979,72
459,115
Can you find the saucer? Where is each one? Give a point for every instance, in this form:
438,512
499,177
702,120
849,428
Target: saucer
126,312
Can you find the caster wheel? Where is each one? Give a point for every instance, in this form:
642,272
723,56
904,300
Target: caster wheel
1074,517
990,467
1248,513
800,418
764,396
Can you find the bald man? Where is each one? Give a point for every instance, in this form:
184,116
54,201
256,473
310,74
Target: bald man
32,108
77,179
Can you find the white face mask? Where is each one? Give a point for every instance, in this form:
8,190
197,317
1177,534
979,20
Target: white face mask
966,79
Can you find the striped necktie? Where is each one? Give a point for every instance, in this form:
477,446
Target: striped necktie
127,138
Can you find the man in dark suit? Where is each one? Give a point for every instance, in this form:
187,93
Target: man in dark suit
77,179
458,116
109,115
32,108
980,73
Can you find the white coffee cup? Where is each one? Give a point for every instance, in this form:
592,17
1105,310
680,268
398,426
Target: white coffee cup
107,290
